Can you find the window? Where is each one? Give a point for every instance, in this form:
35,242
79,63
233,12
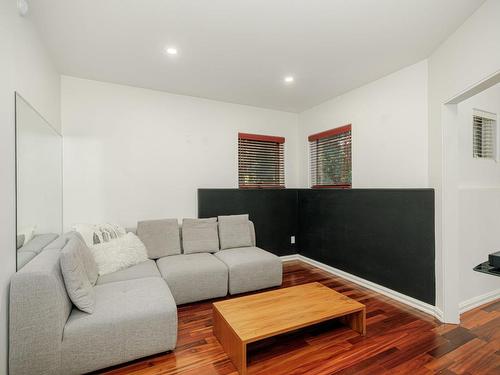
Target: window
330,157
261,161
484,134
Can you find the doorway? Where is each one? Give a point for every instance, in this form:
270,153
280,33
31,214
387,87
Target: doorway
470,197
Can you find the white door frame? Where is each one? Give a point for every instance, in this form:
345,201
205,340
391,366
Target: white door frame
450,256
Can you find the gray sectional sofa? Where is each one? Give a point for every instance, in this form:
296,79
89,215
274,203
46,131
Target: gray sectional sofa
135,311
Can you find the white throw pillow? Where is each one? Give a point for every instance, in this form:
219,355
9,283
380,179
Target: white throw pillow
119,253
94,234
111,231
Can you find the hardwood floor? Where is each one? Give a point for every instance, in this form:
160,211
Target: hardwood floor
399,340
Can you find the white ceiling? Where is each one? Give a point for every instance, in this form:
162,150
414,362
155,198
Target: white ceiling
240,50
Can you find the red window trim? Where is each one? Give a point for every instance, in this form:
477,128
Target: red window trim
259,137
262,186
330,133
332,186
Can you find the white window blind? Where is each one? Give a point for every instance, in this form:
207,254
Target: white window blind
484,134
330,158
261,161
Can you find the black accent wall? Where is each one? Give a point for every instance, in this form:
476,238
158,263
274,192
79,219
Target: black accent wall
273,212
382,235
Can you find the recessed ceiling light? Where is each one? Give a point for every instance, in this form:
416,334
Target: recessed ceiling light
171,51
289,79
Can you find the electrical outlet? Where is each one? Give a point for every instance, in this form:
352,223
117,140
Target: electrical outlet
292,240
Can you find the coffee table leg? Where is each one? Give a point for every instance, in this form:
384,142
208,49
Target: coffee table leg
233,346
356,321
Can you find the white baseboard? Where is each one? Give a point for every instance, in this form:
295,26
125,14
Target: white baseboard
284,258
479,300
407,300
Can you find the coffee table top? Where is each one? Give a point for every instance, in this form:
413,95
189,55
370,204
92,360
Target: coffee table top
267,314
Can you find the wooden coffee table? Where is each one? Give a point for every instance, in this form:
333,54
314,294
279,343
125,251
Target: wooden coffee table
241,321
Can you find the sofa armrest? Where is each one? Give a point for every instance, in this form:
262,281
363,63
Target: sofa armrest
39,308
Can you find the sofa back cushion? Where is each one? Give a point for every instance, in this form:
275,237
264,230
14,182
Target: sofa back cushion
161,237
200,236
234,231
88,260
252,233
75,277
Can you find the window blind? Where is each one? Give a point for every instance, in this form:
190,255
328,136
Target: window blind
484,134
261,161
330,158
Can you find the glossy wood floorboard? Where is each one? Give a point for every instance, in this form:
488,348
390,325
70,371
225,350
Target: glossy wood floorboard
399,340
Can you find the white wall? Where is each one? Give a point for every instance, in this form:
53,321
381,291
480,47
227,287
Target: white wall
25,67
132,154
453,68
479,236
389,130
479,202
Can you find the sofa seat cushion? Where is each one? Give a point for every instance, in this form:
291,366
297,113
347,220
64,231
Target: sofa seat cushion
194,277
131,319
138,271
251,268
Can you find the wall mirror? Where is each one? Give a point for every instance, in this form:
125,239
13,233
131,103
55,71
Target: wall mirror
38,182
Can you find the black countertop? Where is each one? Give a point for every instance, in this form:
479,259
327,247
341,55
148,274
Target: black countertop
486,268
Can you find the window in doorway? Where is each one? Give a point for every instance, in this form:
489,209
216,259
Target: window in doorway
484,134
